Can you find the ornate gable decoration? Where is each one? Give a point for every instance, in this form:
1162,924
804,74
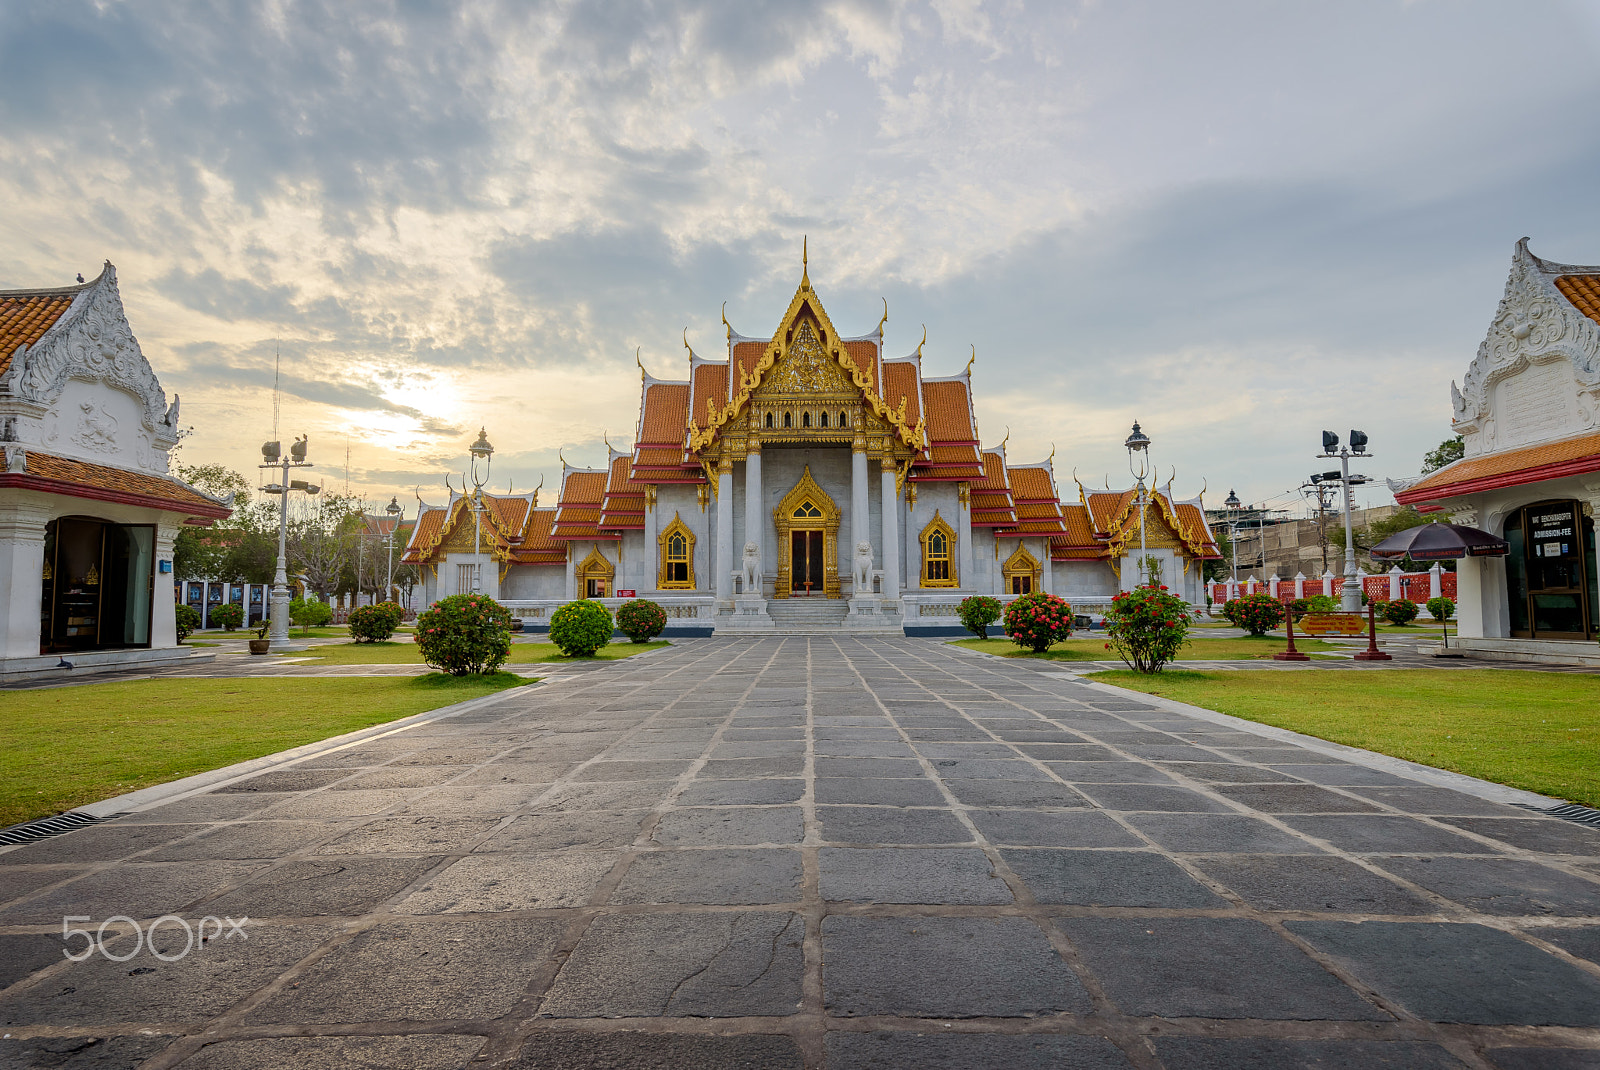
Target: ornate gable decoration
1125,528
806,347
1536,376
93,342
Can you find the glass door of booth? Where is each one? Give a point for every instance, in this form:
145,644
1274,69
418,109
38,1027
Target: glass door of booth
1550,572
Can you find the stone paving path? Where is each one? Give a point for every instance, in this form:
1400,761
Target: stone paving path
811,852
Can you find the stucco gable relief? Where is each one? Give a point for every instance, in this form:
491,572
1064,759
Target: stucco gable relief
92,343
1536,376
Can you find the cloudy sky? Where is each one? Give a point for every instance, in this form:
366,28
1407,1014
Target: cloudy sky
1238,222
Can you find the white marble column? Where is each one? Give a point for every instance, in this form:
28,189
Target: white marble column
22,580
891,534
967,578
725,529
754,527
860,510
651,565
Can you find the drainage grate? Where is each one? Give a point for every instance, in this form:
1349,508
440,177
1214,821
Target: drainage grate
1583,815
44,826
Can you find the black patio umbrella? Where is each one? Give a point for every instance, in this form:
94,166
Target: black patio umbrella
1440,542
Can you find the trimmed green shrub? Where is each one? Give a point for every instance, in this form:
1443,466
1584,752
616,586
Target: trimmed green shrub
1401,611
1321,603
230,615
1038,620
1441,608
309,613
580,628
375,624
641,620
978,612
465,634
1147,626
1255,613
187,619
1301,607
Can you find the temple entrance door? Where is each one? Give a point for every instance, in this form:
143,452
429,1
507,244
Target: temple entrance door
807,571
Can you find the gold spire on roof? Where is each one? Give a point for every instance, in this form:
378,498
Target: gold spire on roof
636,360
973,360
923,342
536,491
725,323
1006,439
885,318
1052,456
805,263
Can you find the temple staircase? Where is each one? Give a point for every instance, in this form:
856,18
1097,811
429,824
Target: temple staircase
813,616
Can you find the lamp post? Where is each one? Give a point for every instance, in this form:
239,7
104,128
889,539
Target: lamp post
1138,445
272,456
395,514
482,454
1350,597
1233,505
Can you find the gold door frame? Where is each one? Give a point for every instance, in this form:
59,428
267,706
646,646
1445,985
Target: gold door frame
784,520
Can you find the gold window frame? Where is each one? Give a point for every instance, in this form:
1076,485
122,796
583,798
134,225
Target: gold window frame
938,526
663,546
1022,563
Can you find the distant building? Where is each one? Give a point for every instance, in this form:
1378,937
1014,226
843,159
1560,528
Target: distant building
1528,412
88,511
809,480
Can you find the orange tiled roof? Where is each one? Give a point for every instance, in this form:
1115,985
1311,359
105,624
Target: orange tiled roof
1584,293
1195,530
949,410
666,413
864,352
746,355
710,380
991,496
1530,464
62,475
508,512
623,505
578,513
538,546
1079,528
1104,507
1038,512
26,314
900,381
425,535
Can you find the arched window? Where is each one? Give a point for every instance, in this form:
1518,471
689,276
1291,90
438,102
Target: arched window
807,511
595,574
844,419
805,419
823,420
676,544
769,419
788,419
938,558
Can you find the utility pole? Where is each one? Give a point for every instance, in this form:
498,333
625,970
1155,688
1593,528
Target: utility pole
1316,487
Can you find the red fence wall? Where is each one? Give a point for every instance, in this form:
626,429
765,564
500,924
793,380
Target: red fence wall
1413,585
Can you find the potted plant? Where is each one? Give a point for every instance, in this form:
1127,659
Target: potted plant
261,644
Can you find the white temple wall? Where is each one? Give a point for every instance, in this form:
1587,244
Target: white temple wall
1092,579
534,581
781,468
680,499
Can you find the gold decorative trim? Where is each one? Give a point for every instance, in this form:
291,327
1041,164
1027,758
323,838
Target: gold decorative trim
595,567
1022,563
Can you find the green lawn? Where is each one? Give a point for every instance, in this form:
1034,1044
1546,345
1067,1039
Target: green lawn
1533,730
1199,649
408,653
67,746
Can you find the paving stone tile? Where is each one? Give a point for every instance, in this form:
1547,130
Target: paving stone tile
293,779
1384,833
23,954
864,748
1211,772
1504,886
1270,755
657,1051
1584,942
1012,771
298,889
198,985
1026,793
326,805
759,748
97,843
881,824
1216,1053
434,1051
730,826
1318,883
910,875
736,732
869,768
1547,834
250,839
741,768
1434,802
400,776
875,792
498,800
134,889
1052,828
513,773
202,808
1343,775
552,831
946,735
1294,799
1069,751
636,751
410,835
970,751
739,877
408,971
1545,1058
480,884
81,1052
1107,878
742,792
1137,797
1460,973
1113,772
694,965
460,754
624,795
1218,833
969,1051
1210,968
944,968
608,770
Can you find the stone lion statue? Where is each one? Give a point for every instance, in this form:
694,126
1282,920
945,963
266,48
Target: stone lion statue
862,568
752,569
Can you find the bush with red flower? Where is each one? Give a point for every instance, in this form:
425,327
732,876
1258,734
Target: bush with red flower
1257,614
1147,626
1038,620
375,624
464,634
641,620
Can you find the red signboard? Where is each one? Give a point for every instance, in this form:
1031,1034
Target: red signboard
627,594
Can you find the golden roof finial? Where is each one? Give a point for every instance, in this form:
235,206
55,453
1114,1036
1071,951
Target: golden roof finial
636,351
686,344
1052,456
605,436
971,361
923,342
725,322
1006,439
537,489
1204,483
884,320
561,458
805,265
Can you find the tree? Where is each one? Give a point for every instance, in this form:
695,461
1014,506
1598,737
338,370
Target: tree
1448,452
1378,530
322,542
1220,570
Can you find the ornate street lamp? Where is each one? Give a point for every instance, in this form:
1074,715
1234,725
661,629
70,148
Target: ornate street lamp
482,454
395,514
1233,504
272,456
1138,445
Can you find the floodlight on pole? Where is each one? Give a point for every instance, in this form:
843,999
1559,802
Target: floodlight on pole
272,456
1350,597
